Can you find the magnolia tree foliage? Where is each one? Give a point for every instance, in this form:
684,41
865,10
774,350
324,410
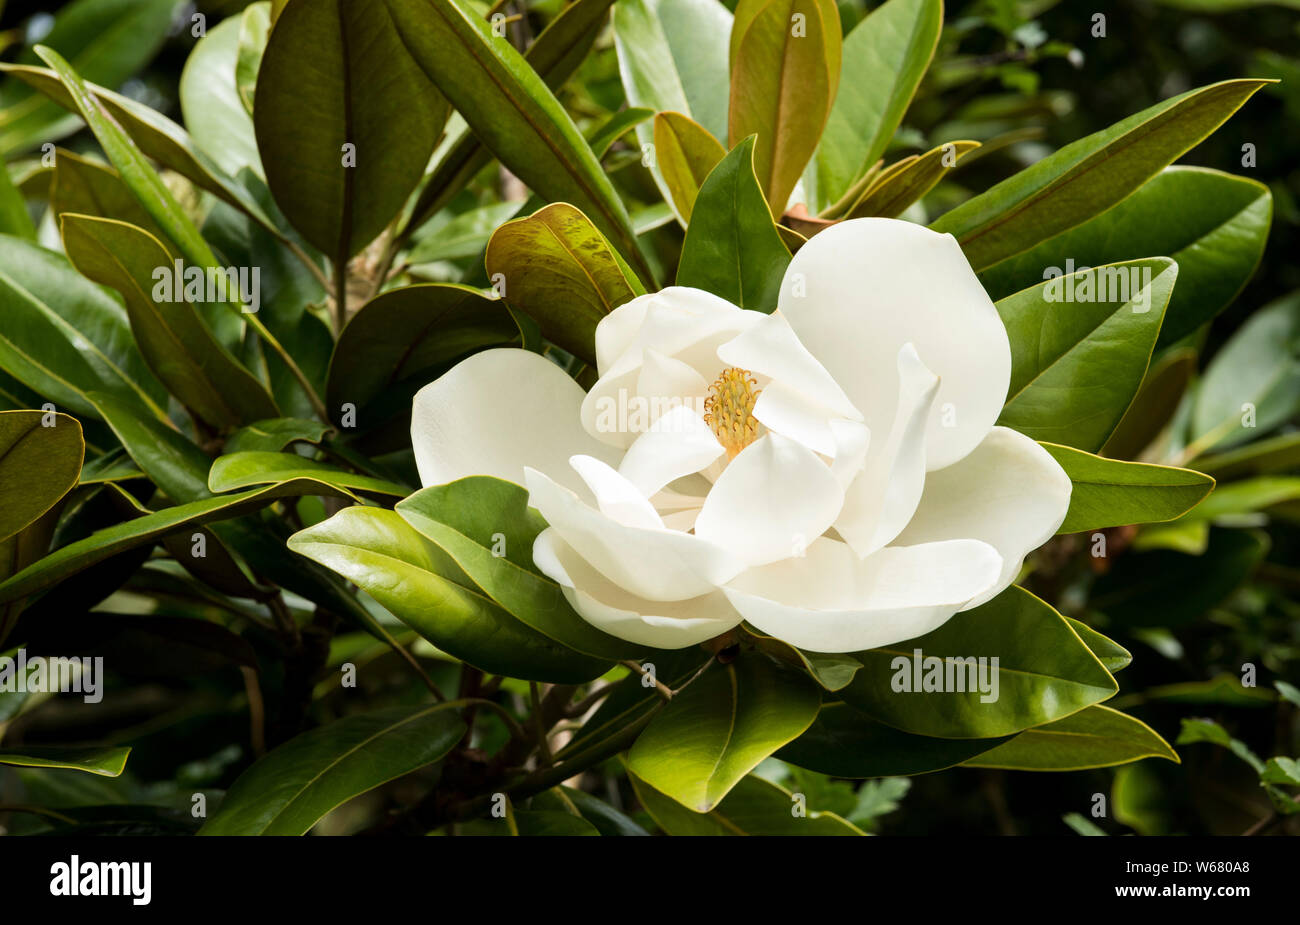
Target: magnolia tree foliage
610,417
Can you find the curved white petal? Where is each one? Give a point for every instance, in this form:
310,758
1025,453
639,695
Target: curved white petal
879,502
771,501
789,413
616,497
606,606
852,443
770,348
1009,493
683,327
860,289
496,413
678,444
654,563
831,601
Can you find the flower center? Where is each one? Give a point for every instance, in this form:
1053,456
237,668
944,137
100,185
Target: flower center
729,409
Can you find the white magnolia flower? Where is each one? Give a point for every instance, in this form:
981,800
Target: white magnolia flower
830,473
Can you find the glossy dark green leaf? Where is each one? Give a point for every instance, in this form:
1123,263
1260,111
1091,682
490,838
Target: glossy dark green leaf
1167,588
242,469
685,153
106,762
88,188
1095,737
421,586
721,727
905,182
486,526
1213,224
63,336
1044,672
106,40
40,459
555,55
558,269
844,742
1110,653
512,111
753,807
76,557
1088,176
785,71
404,336
885,57
732,249
1110,492
1155,404
274,434
345,120
292,788
1080,345
176,343
1253,382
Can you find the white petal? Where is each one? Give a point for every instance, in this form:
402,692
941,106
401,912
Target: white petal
852,442
665,377
678,444
616,497
496,413
770,348
792,415
669,321
656,564
880,501
860,289
774,498
670,625
1009,493
829,600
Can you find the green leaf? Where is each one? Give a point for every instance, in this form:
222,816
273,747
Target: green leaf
783,82
154,134
107,40
844,742
88,188
14,218
559,270
76,557
829,669
105,762
1111,493
906,181
254,30
210,102
1213,224
1281,771
63,336
1167,588
720,727
732,249
555,55
292,788
753,807
1206,730
336,75
39,464
1044,672
1096,737
240,470
1109,652
885,57
1080,345
512,111
672,58
274,434
1253,382
486,527
405,336
1155,404
685,153
145,183
180,349
421,586
1273,454
463,235
1088,176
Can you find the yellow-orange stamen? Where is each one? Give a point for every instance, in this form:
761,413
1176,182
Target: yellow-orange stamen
729,409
